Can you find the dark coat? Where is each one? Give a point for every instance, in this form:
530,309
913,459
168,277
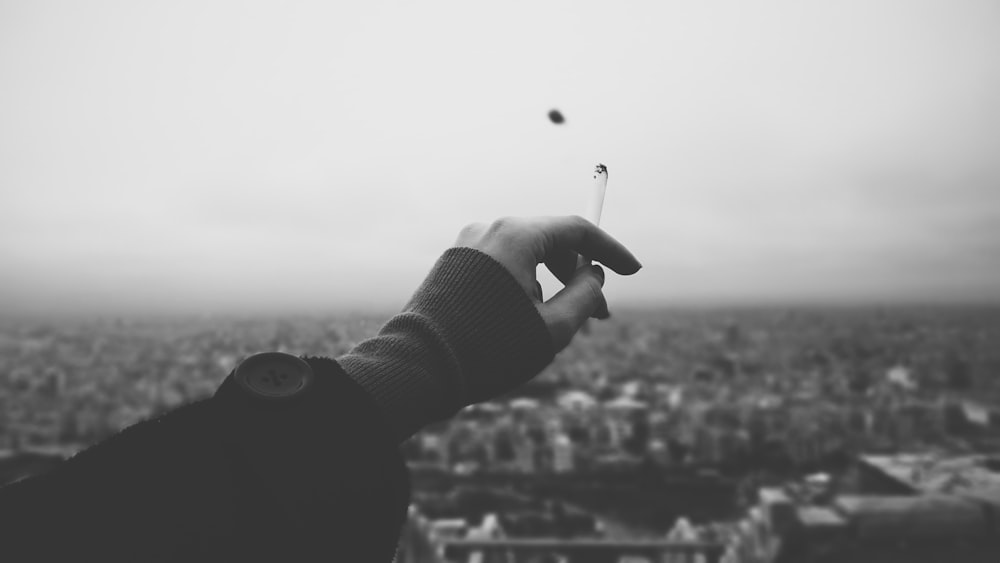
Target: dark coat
317,477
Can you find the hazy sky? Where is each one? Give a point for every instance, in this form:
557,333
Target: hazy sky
209,156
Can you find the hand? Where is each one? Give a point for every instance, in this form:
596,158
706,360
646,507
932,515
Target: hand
520,244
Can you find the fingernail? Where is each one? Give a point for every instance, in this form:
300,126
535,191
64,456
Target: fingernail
602,310
599,272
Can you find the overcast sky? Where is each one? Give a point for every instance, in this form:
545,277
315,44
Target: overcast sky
247,155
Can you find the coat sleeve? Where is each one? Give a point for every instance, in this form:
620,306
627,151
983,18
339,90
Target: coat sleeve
314,478
468,334
318,478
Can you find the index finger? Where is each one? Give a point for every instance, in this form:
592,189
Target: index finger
575,233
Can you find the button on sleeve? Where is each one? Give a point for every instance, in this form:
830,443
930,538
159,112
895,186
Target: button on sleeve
274,375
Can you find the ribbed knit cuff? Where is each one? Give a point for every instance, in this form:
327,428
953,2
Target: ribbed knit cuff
469,333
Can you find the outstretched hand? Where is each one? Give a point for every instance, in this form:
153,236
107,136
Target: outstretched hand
521,244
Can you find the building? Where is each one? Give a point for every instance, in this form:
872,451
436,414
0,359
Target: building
563,453
906,508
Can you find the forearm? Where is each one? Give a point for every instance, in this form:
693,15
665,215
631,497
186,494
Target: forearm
467,334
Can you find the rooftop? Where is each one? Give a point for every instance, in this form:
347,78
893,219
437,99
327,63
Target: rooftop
935,473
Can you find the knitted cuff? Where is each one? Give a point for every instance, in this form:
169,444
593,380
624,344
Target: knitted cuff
469,333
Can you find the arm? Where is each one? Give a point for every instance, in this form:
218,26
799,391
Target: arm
316,473
478,326
228,478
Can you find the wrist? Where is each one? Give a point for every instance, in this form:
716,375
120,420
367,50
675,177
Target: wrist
469,333
493,328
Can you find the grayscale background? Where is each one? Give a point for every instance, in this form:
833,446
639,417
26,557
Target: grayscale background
813,189
229,156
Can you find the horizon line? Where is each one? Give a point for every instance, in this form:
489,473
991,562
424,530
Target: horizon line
630,308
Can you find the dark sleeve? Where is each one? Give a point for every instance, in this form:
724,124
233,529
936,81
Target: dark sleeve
469,333
316,477
229,478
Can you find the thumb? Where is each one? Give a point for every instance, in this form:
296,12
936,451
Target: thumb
567,310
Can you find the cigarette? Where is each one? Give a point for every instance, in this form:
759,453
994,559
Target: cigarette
596,202
600,186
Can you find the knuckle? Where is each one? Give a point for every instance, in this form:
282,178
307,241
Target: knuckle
504,227
470,232
500,225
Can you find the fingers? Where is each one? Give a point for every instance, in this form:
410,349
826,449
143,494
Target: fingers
562,264
576,234
520,244
566,312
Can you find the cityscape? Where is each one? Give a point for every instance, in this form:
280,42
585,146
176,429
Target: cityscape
802,359
679,435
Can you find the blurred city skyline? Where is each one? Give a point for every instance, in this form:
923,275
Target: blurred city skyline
264,156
